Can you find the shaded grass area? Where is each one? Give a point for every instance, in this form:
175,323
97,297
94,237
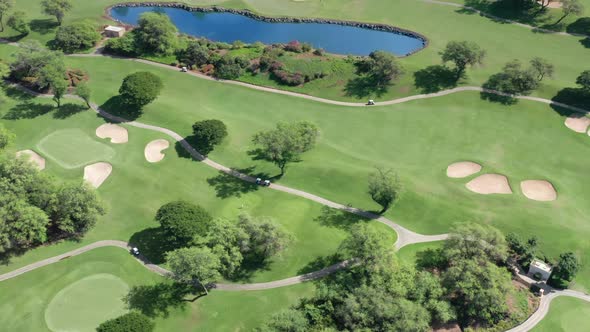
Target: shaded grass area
566,314
23,300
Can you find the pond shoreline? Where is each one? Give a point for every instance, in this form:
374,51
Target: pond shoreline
281,19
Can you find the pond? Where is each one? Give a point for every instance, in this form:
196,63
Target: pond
229,27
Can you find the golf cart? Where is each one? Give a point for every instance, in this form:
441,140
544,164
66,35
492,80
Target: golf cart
370,102
184,69
135,251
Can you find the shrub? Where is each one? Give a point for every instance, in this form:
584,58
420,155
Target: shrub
156,33
75,76
122,46
140,88
242,61
130,322
294,46
18,22
208,69
306,47
228,68
287,78
182,221
76,36
319,52
236,45
209,133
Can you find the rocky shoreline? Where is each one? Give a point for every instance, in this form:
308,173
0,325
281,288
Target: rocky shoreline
283,19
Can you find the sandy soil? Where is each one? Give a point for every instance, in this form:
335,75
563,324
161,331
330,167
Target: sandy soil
578,124
153,150
490,184
33,157
553,4
96,174
463,169
116,133
538,190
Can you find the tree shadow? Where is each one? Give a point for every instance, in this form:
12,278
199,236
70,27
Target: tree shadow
580,26
250,264
320,263
43,26
118,107
431,259
227,185
497,82
157,300
435,78
571,96
27,110
364,86
330,217
15,93
67,110
152,244
502,10
585,42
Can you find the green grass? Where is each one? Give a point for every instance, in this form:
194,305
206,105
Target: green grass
566,314
407,254
84,304
72,148
25,299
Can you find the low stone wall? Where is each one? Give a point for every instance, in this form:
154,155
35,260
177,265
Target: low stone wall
283,19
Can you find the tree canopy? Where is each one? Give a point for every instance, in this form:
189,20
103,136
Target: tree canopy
567,266
384,188
194,54
6,137
208,134
129,322
57,8
462,54
584,80
381,67
182,221
140,88
36,66
287,142
5,6
76,36
156,33
194,265
18,22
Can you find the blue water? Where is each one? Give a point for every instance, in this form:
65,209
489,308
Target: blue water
228,27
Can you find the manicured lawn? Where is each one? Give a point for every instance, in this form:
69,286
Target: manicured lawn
407,254
26,301
566,314
440,24
72,148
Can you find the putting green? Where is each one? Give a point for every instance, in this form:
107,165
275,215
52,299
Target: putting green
86,303
72,148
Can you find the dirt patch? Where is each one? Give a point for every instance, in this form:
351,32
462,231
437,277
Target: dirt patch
552,4
116,133
538,190
490,184
33,157
578,123
96,174
463,169
153,150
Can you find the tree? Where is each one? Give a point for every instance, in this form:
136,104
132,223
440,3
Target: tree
6,137
567,266
524,250
76,210
287,142
17,21
182,221
156,33
289,320
384,188
226,240
140,88
209,133
57,8
194,54
83,91
462,54
129,322
477,242
37,64
265,239
513,80
542,68
5,6
76,36
368,245
195,266
570,7
584,80
228,68
21,225
382,68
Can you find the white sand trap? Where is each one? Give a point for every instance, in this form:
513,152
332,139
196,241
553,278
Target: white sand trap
462,169
578,124
33,157
538,190
490,184
116,133
95,174
153,150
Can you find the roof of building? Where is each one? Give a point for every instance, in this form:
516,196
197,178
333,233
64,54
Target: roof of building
114,28
541,265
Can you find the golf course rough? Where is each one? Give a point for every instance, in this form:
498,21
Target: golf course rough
86,303
73,148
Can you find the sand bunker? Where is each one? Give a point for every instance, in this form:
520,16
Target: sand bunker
33,157
95,174
490,184
538,190
578,124
153,150
116,133
463,169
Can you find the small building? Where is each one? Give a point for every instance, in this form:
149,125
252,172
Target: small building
113,31
541,268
